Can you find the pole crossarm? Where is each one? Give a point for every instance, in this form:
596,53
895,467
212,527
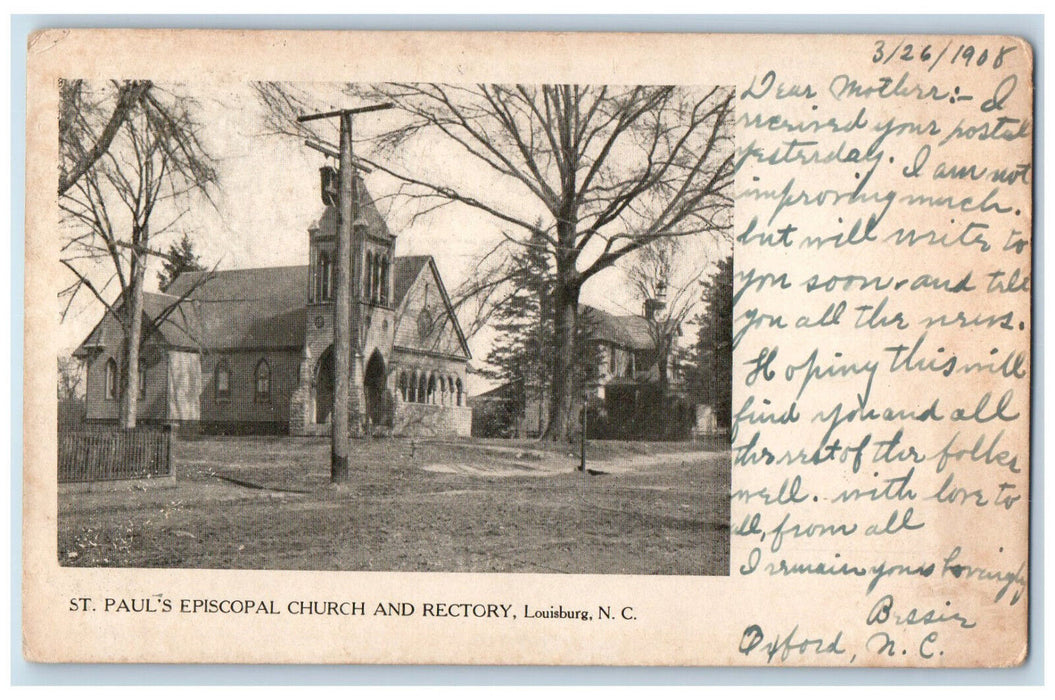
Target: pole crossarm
341,112
331,151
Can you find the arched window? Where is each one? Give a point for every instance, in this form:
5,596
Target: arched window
142,378
461,394
423,388
424,324
432,389
262,381
323,280
403,385
384,279
412,390
110,380
368,277
375,278
223,381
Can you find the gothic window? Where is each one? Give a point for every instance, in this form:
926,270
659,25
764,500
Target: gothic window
142,378
422,388
110,380
223,381
461,395
424,323
367,288
262,381
368,277
403,385
376,278
323,280
384,280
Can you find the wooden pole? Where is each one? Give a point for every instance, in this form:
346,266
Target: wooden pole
346,311
341,310
356,400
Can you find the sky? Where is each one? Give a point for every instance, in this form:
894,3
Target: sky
268,197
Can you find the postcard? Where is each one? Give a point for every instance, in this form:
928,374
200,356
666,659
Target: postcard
528,348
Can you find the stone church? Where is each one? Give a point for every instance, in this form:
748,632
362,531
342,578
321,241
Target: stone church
250,351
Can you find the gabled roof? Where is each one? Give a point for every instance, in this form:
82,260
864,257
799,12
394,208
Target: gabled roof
181,327
631,332
285,286
406,271
253,308
264,307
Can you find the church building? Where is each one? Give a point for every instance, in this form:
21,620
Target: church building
251,351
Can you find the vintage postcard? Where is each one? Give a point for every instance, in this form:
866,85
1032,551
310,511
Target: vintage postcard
500,348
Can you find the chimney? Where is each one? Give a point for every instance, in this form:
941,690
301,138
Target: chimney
660,302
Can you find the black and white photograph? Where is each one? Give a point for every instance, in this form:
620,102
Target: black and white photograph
397,327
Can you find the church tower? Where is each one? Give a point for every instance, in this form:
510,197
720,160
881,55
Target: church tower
311,404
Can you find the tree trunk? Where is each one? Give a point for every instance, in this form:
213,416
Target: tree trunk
565,321
664,347
130,360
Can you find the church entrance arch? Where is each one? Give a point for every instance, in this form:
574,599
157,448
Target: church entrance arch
324,387
374,388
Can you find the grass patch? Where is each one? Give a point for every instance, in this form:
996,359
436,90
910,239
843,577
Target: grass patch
443,505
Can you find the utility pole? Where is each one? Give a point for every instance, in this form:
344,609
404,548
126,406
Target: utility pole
346,306
585,400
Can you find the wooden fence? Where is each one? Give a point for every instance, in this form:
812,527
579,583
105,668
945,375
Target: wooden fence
107,453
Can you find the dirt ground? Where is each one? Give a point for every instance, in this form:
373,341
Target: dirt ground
433,505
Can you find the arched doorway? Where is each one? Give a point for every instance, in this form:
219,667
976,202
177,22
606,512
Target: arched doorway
374,388
324,387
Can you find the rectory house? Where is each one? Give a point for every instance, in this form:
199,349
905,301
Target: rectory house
622,386
250,351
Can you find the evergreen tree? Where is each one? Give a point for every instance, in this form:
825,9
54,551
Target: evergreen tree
521,355
709,368
179,258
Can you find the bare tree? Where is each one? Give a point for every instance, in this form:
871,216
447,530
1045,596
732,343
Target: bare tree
71,375
76,109
610,171
665,278
129,193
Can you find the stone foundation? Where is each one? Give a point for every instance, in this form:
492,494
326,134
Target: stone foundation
429,420
302,400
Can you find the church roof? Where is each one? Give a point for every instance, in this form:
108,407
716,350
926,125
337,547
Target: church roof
181,326
255,308
252,308
404,272
627,331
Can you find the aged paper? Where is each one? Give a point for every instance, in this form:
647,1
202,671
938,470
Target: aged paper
871,504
